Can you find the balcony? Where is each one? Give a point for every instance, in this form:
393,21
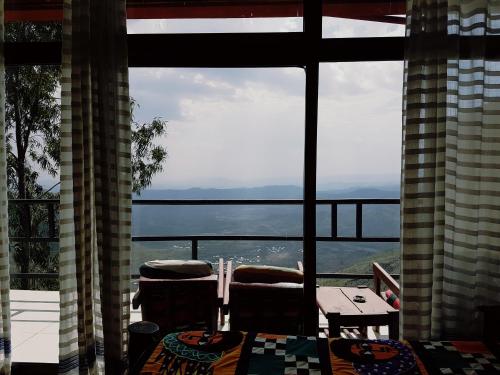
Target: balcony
35,313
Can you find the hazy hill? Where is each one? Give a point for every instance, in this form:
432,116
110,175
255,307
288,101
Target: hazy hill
380,220
267,192
389,260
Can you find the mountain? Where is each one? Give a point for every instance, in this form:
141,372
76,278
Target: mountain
267,192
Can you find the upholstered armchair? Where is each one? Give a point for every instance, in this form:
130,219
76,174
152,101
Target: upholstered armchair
265,299
180,295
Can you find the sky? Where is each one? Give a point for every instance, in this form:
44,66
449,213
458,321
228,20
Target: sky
245,127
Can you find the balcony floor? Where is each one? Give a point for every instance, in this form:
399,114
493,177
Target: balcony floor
35,326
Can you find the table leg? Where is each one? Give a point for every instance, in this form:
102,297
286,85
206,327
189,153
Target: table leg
334,325
393,325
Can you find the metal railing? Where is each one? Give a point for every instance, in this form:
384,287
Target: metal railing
195,239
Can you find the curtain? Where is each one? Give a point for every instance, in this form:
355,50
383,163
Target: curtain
4,220
450,198
95,202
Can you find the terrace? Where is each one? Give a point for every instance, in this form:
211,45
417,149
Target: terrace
35,313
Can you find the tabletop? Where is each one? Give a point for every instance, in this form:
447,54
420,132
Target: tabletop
342,300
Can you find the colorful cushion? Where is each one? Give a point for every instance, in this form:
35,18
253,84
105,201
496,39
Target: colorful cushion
175,269
267,274
392,299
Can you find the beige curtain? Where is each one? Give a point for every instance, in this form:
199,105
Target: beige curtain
4,220
95,209
451,170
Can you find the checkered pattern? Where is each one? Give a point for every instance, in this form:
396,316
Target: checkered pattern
301,365
276,347
478,363
432,345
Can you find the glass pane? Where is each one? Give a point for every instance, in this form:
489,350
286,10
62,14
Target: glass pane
359,156
359,128
231,134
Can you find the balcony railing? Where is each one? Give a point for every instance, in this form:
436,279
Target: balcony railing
359,204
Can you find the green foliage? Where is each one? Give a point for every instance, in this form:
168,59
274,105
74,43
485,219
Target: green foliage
32,117
147,157
32,113
388,259
32,127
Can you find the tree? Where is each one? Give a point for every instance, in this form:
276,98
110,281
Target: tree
32,121
147,157
32,133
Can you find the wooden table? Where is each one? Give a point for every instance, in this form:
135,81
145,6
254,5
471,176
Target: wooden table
337,304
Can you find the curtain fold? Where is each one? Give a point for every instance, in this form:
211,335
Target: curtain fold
450,195
95,208
5,340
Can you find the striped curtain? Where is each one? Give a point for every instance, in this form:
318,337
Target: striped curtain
451,169
95,209
4,221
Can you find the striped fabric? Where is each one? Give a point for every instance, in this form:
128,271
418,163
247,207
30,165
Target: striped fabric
450,172
4,221
95,210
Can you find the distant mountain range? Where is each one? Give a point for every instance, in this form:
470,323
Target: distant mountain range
380,220
267,192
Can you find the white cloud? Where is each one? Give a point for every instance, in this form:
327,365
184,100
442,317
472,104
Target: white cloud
347,28
232,127
235,25
254,138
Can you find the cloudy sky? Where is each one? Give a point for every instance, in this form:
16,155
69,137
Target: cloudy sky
245,127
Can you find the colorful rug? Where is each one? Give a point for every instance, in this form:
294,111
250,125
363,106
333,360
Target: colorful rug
239,353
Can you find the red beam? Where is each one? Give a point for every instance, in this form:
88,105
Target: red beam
42,15
51,10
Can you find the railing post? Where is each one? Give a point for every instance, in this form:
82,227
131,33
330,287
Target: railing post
334,231
359,220
52,220
194,249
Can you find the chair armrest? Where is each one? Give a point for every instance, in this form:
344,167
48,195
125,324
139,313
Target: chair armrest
136,300
229,278
220,282
379,274
300,266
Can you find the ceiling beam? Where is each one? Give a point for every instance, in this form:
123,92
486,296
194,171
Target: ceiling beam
258,50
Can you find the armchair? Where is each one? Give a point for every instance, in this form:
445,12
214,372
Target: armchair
265,299
183,300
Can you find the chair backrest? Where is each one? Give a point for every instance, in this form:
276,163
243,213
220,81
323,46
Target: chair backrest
266,307
180,304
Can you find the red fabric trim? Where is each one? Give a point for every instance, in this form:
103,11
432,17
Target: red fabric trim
470,347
